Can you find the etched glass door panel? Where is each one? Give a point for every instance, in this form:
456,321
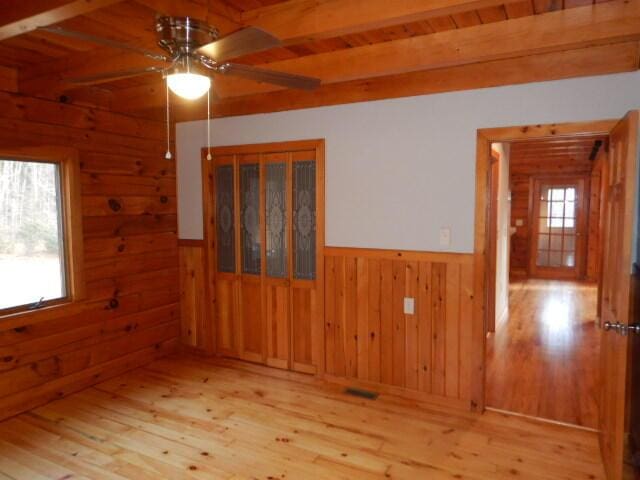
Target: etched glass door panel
225,225
276,217
250,217
304,220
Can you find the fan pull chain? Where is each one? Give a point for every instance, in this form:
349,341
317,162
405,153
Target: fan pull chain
209,124
168,155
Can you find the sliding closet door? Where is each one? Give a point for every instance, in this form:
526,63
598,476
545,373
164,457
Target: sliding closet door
268,229
278,261
251,257
225,258
304,284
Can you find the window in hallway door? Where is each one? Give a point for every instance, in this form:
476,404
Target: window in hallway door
561,210
557,236
556,240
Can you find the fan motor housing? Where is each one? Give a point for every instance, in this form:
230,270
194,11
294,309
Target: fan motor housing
183,35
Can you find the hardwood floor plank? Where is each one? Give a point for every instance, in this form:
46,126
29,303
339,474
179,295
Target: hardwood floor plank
543,360
202,418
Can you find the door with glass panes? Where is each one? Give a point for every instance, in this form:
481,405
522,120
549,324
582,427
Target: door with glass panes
266,255
558,228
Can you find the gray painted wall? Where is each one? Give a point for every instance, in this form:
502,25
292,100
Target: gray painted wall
399,170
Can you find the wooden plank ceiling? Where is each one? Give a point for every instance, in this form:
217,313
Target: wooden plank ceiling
361,49
571,154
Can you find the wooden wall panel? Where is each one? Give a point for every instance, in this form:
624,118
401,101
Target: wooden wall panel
595,207
304,309
131,314
369,338
228,328
196,327
519,255
253,319
277,318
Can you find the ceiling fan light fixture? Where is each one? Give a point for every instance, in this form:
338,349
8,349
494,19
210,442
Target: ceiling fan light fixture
188,85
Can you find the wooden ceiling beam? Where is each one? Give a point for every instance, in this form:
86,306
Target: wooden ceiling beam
600,24
23,17
50,78
535,158
552,154
298,21
574,150
561,149
568,142
548,66
573,143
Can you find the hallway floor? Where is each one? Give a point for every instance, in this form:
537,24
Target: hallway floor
543,360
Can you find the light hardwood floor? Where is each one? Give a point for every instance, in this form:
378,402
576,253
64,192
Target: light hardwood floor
543,360
189,417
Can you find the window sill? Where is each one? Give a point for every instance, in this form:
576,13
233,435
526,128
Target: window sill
23,318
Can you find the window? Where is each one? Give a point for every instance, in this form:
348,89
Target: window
557,236
561,210
39,230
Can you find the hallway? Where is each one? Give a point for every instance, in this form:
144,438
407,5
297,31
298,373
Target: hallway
543,360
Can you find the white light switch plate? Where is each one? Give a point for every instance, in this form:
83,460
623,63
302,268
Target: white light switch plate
409,305
445,237
519,222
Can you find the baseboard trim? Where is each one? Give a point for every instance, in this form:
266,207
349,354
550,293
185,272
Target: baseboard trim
541,419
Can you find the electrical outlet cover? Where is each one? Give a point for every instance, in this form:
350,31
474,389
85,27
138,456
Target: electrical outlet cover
409,305
445,237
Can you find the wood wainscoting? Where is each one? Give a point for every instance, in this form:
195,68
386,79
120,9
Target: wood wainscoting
369,338
369,341
197,324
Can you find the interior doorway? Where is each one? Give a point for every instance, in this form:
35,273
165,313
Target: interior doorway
543,342
618,230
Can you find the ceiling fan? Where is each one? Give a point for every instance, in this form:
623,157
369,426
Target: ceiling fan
194,52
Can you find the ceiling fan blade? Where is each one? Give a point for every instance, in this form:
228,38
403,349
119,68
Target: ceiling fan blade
112,76
269,76
237,44
104,41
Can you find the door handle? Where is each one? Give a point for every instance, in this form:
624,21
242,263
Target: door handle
621,328
634,328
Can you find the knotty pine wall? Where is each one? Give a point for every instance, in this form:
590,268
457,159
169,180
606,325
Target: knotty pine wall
369,339
131,314
595,208
197,322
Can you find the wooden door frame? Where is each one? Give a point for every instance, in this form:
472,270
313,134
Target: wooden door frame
208,212
485,137
493,240
582,214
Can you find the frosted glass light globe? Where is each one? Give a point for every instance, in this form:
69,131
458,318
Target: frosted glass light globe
189,85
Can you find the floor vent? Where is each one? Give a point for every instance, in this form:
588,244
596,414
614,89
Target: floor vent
357,392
